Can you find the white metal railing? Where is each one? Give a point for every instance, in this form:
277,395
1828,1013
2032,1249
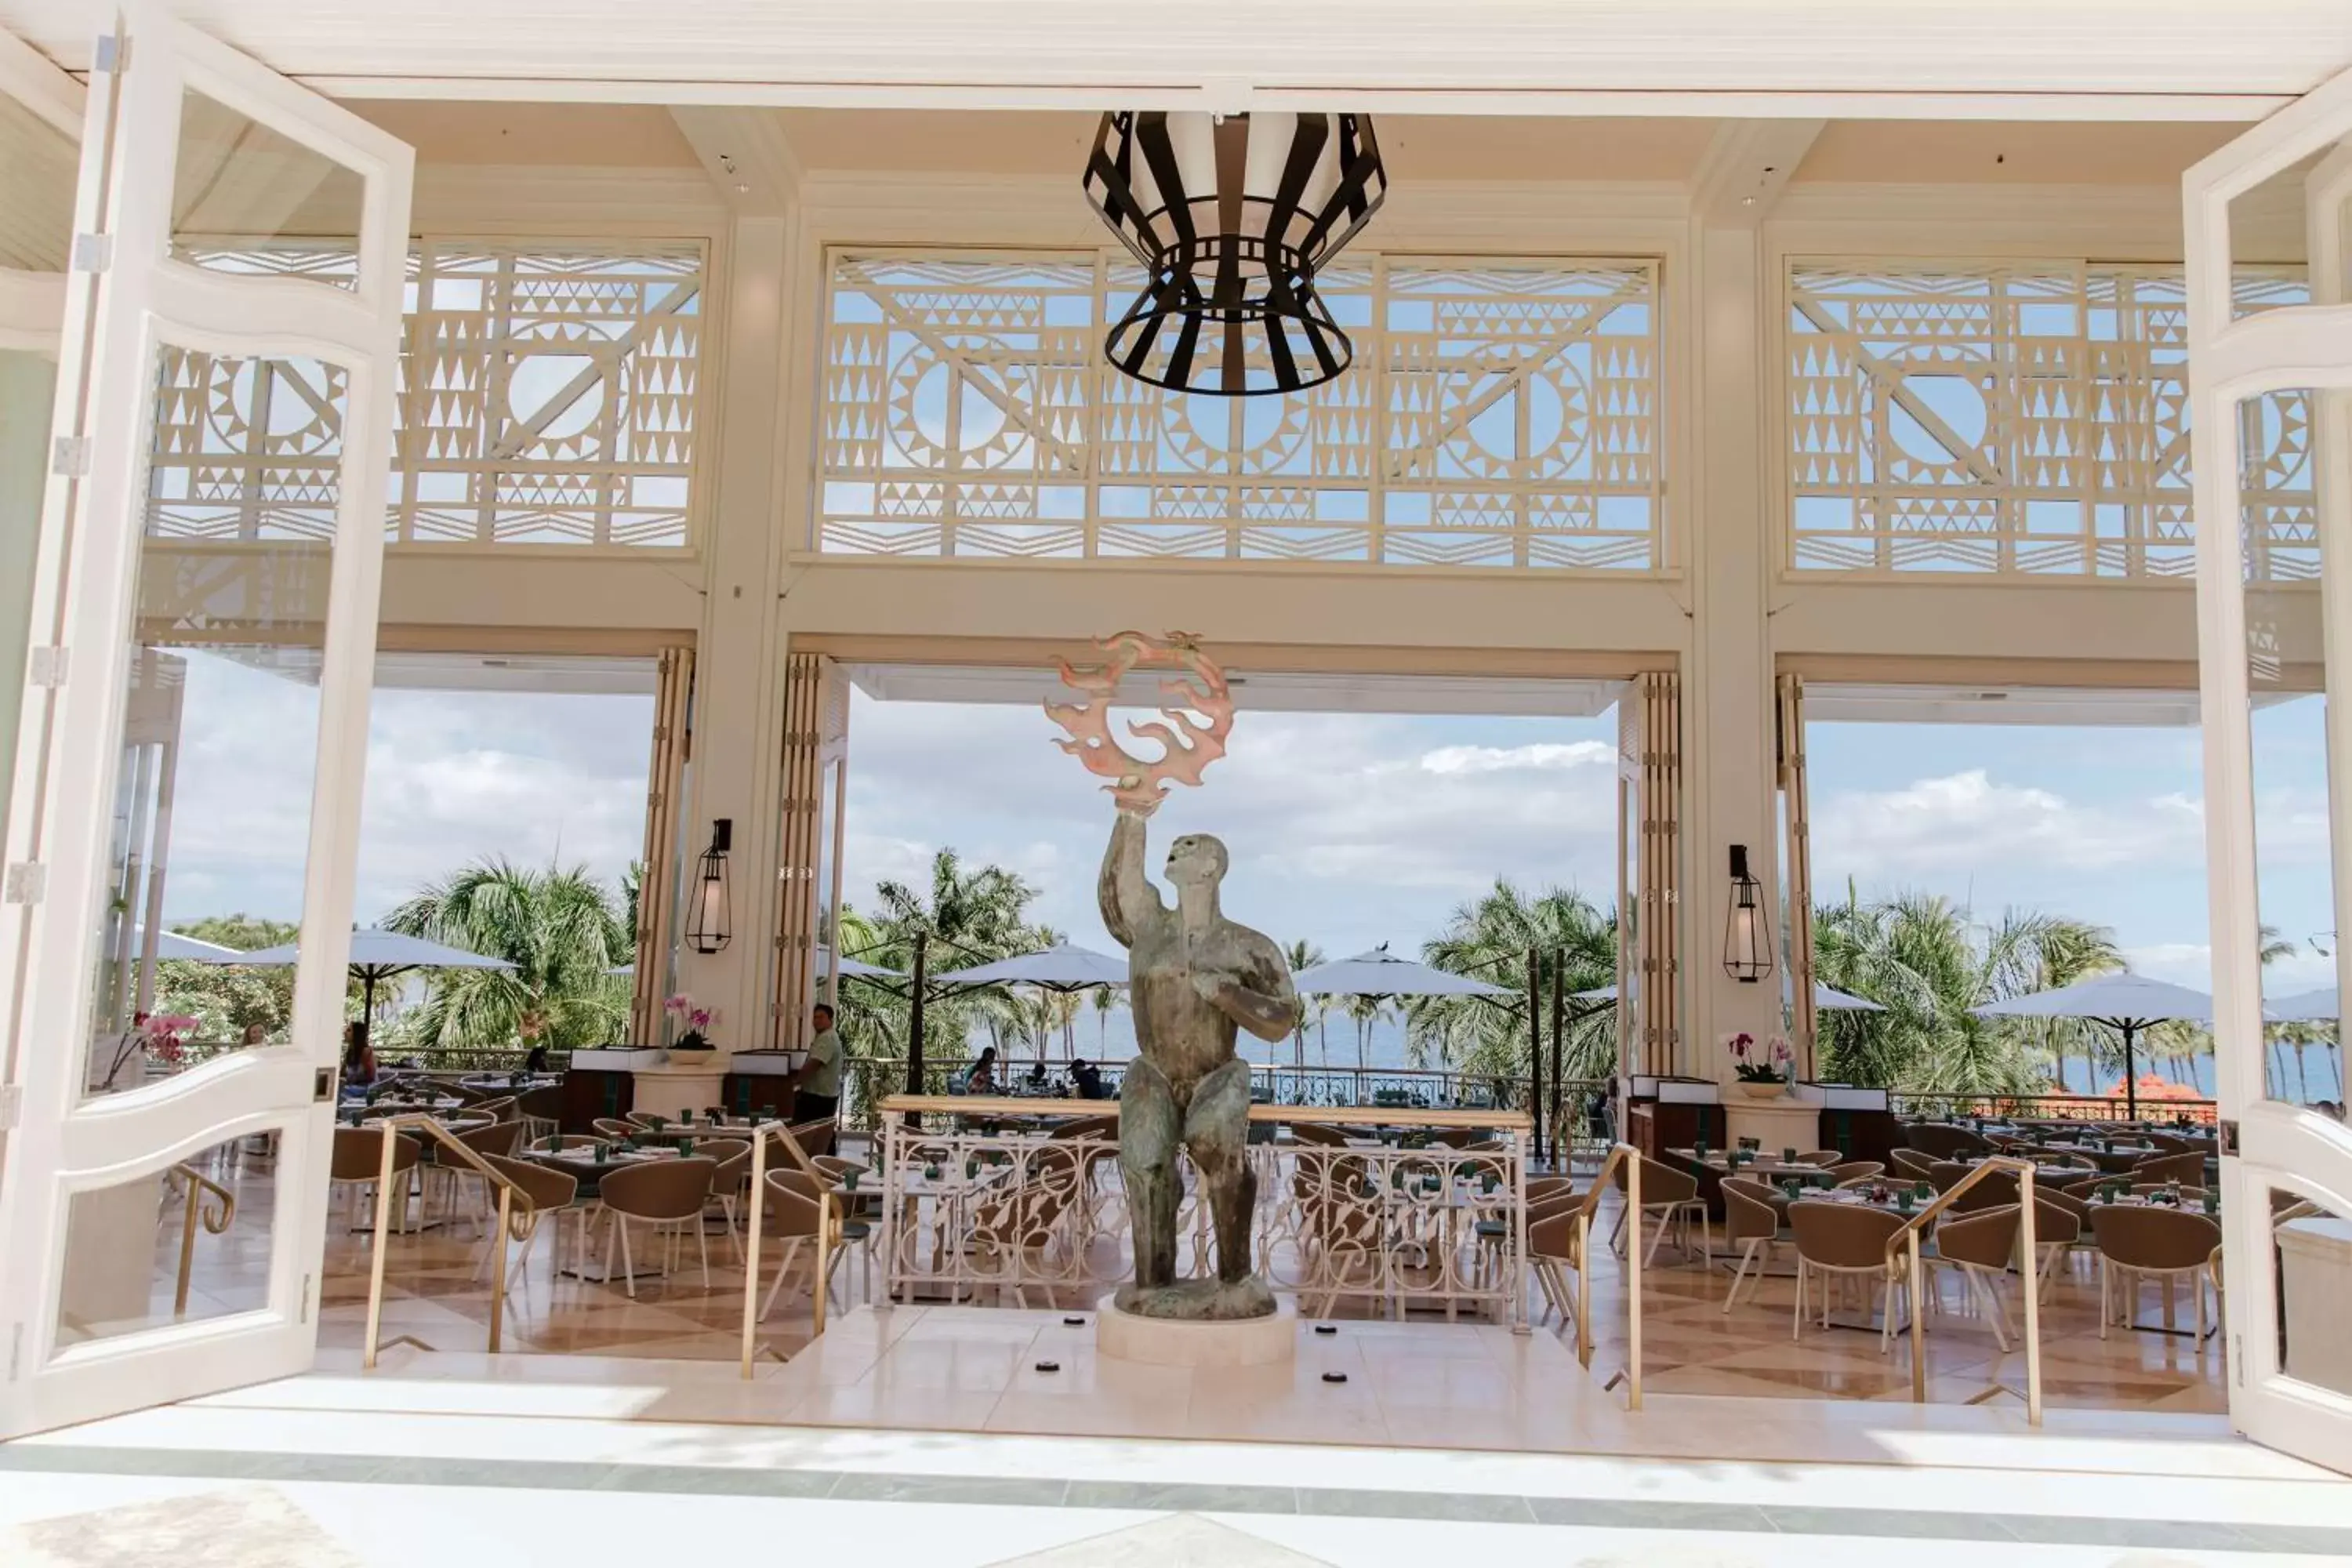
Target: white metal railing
985,1205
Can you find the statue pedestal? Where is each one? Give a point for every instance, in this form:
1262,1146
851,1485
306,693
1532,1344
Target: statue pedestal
1177,1341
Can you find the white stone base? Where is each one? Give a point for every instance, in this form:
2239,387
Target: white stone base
1169,1342
672,1090
1775,1124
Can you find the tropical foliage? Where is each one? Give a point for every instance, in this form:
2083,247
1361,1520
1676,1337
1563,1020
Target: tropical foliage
227,1000
1490,938
560,928
1928,965
967,915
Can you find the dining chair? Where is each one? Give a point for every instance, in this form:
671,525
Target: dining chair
647,1119
816,1137
553,1196
2061,1228
2189,1169
543,1110
1912,1163
1943,1140
1555,1248
793,1212
668,1194
501,1108
491,1138
615,1129
2138,1242
730,1176
1671,1197
1824,1158
1752,1223
1841,1242
1854,1171
355,1163
1978,1247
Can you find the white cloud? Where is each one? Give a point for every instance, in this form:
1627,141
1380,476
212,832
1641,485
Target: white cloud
1505,759
1966,820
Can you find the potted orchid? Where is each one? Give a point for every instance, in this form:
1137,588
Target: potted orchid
689,1043
152,1039
1761,1071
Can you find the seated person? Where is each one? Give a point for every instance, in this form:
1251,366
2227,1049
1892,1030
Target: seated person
1087,1077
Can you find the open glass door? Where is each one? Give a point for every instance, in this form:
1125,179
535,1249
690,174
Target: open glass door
2270,370
204,588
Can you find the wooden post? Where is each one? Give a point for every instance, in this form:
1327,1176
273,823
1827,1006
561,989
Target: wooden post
1535,1044
915,984
1558,1054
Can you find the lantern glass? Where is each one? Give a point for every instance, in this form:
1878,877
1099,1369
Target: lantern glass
1747,935
710,908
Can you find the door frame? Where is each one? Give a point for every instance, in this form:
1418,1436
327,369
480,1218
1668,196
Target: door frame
125,298
2266,1144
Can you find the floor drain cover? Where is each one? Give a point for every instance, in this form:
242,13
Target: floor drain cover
1073,1322
1049,1366
1335,1377
1326,1328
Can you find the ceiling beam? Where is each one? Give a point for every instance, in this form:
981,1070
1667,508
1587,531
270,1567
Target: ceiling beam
744,151
1745,167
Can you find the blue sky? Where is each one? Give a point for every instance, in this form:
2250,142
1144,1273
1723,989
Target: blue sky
1347,830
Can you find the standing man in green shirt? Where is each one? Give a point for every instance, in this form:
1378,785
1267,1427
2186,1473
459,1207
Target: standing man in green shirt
816,1084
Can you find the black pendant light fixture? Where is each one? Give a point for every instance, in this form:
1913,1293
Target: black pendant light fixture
711,916
1232,216
1747,934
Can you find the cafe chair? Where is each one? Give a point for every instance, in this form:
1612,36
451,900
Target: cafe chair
543,1110
1824,1158
1943,1140
669,1196
2061,1228
1854,1171
498,1138
1978,1247
729,1179
549,1196
1841,1242
2187,1169
1751,1224
1554,1251
356,1161
2138,1242
1670,1198
615,1131
1912,1163
792,1214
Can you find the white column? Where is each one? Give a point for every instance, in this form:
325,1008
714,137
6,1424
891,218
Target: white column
1729,697
738,656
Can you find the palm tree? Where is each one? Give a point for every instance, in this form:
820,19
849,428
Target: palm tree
1303,955
969,915
1921,959
560,928
1490,938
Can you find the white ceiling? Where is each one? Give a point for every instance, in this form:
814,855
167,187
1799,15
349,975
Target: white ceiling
1480,54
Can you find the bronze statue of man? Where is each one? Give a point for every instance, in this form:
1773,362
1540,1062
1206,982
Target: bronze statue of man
1193,977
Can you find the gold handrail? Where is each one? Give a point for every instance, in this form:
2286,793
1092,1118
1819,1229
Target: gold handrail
2029,1283
828,1227
1587,1203
391,1127
215,1218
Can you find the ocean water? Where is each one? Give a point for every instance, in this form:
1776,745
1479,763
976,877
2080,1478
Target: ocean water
1111,1037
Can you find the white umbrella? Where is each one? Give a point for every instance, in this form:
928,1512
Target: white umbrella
381,955
2123,1002
2319,1006
182,949
1380,972
1062,967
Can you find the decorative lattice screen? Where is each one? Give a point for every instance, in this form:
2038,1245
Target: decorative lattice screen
547,395
2024,418
1499,414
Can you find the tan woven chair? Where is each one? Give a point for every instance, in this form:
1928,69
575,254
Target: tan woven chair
550,1196
2187,1169
790,1215
613,1130
501,1108
1315,1132
668,1194
1978,1247
1553,1249
730,1176
816,1137
1839,1242
1670,1198
1751,1224
2142,1241
647,1119
499,1138
543,1110
2062,1229
1824,1158
1912,1163
1854,1171
357,1161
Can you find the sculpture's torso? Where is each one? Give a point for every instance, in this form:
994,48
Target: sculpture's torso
1177,1030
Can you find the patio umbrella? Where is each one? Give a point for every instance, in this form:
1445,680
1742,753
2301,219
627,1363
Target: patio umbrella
1062,967
851,969
381,955
1380,972
171,944
2123,1002
2319,1006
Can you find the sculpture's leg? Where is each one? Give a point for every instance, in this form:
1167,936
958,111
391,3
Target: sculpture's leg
1216,1131
1147,1159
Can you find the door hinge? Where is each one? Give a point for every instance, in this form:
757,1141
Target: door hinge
12,1106
93,252
2228,1140
69,456
306,1298
44,666
111,53
26,881
2238,1357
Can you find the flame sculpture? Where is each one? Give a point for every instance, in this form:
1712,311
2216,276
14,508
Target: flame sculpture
1187,744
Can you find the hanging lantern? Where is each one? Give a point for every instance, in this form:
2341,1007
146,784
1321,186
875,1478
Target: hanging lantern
709,918
1747,936
1232,216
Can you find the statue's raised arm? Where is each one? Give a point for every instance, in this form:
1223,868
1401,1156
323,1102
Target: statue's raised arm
1126,894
